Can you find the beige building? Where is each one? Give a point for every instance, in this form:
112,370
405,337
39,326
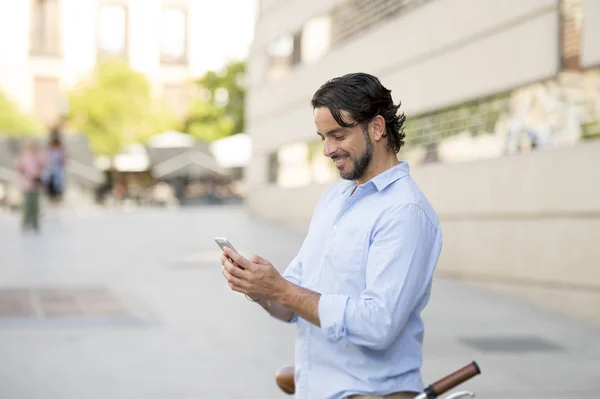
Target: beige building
477,78
499,97
47,46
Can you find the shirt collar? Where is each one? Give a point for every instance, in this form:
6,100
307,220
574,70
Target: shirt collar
386,178
383,179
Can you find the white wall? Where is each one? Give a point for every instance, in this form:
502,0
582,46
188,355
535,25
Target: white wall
590,40
442,53
78,39
14,45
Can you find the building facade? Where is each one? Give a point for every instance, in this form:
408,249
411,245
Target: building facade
48,46
478,79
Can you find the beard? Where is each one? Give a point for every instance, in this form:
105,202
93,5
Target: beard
361,162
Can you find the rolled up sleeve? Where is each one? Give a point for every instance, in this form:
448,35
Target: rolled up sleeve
293,273
332,309
400,265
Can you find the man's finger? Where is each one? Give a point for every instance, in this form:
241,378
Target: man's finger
233,269
236,288
237,258
233,280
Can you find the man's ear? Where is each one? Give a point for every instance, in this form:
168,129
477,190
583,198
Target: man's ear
378,128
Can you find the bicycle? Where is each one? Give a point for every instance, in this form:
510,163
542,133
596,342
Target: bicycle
285,380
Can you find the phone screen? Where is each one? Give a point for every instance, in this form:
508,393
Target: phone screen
224,242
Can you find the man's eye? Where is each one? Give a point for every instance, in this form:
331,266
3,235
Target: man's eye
339,137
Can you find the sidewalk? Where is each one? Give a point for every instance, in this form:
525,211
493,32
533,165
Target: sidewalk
133,305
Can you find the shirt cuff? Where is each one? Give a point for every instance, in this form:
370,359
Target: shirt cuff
332,309
294,318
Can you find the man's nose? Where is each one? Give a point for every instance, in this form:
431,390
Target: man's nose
328,149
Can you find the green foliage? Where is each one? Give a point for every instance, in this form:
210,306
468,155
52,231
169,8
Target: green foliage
590,130
116,109
221,112
209,122
15,123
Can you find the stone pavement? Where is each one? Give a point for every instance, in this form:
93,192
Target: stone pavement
127,305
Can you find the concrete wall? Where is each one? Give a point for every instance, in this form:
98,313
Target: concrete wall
528,224
590,51
427,58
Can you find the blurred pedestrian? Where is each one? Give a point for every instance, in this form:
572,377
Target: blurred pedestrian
54,178
31,167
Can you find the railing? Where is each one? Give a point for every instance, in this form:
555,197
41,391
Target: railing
354,16
85,171
480,116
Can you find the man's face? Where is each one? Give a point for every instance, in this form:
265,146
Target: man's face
350,149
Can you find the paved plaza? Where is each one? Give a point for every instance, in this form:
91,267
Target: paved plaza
128,305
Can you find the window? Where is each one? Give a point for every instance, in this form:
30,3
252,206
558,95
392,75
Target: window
113,28
316,39
322,168
300,164
47,100
294,169
272,168
45,28
354,16
283,54
173,35
477,117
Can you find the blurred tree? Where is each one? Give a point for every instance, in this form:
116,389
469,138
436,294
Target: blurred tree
116,109
15,123
219,110
207,121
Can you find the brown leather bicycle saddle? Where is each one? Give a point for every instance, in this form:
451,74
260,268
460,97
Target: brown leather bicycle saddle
285,379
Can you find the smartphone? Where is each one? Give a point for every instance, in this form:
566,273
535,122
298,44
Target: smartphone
224,242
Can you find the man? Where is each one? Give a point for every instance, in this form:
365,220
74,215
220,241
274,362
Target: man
363,274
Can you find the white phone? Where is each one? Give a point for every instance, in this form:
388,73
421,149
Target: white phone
224,242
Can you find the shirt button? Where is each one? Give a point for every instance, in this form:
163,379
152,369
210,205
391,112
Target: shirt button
335,226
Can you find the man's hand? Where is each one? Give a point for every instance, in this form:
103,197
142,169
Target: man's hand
255,277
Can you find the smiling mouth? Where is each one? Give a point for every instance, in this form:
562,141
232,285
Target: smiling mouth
339,161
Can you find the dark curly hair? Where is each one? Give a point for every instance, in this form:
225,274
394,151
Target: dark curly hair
363,97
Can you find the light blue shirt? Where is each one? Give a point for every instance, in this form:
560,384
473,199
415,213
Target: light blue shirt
371,255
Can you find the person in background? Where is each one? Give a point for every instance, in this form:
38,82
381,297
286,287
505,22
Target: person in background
31,167
55,172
